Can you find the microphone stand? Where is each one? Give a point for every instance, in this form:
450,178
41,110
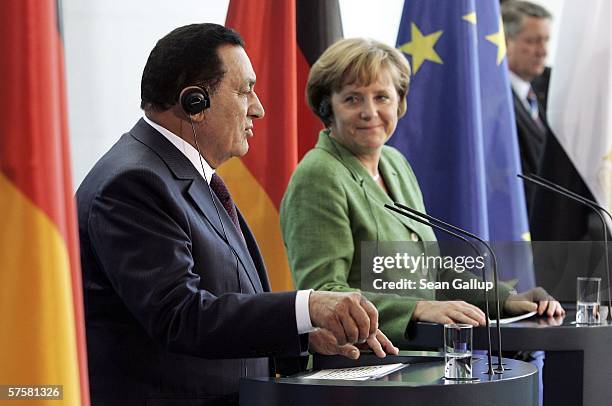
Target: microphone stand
500,368
473,246
545,183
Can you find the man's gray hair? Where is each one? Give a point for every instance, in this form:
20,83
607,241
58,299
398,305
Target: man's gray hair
514,11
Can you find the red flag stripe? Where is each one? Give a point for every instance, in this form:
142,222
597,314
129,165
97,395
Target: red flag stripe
281,68
309,125
318,26
271,45
30,103
34,145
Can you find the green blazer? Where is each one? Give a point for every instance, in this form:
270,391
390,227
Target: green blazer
332,205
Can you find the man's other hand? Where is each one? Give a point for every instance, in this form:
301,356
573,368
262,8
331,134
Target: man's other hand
536,299
323,342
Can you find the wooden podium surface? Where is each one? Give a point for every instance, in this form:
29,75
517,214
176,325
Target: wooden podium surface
419,383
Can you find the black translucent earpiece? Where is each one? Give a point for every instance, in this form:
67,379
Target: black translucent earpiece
325,112
194,100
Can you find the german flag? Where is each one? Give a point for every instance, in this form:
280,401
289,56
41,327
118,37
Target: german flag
283,42
41,315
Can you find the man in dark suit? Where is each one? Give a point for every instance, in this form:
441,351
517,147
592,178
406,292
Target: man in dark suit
177,300
527,30
552,218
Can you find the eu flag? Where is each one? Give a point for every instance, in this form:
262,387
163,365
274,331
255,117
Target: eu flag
459,132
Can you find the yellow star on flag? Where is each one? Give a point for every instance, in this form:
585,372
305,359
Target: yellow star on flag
499,40
421,47
470,17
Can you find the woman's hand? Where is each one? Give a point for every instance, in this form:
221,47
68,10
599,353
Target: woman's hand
456,311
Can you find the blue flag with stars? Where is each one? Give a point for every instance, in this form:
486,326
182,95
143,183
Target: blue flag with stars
459,131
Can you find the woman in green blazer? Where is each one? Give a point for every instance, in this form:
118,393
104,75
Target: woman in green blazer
335,199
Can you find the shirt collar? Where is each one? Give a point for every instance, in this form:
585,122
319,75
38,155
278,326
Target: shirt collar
519,85
186,148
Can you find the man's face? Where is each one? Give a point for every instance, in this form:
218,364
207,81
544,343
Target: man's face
528,49
228,123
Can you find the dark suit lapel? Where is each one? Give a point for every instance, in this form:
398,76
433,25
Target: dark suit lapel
199,194
260,274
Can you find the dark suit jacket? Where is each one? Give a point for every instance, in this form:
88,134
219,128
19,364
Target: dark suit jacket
172,315
554,217
531,140
540,86
578,223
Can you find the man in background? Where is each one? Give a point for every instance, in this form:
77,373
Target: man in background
551,217
527,30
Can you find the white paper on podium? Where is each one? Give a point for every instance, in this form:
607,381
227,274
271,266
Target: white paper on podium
509,320
356,373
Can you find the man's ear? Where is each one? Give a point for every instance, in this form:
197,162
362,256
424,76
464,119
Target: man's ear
178,112
193,100
198,117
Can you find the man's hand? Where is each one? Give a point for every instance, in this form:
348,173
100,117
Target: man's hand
350,317
448,312
536,299
323,342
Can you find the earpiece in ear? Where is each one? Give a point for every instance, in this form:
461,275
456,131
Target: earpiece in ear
194,100
325,111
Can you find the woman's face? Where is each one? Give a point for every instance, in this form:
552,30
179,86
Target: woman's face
364,117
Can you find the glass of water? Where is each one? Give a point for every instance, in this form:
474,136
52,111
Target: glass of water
587,300
458,351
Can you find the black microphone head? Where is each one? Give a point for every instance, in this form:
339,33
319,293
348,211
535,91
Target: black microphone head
194,100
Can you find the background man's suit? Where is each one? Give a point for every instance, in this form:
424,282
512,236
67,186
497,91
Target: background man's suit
162,301
531,138
555,218
578,222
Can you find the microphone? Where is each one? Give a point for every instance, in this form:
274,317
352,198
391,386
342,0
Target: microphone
413,215
500,368
553,187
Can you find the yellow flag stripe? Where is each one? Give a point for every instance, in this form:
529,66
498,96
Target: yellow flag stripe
263,218
37,330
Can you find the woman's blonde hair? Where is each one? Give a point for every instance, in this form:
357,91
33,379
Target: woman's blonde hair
354,60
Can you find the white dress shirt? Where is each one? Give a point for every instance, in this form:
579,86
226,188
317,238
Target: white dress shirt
521,88
302,312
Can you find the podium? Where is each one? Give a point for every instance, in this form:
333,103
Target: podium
578,364
419,383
